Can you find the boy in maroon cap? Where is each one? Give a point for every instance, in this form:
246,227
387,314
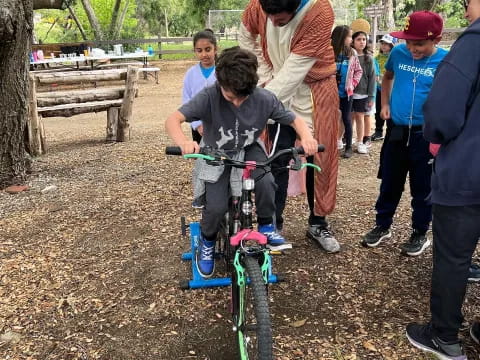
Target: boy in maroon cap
408,77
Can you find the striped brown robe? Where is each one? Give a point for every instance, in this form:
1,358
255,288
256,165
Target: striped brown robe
312,39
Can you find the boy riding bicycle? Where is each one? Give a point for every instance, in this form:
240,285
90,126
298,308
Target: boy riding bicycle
234,113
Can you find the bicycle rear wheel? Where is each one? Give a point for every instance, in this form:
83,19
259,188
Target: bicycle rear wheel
254,331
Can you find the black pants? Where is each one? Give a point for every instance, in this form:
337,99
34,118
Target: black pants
286,139
456,230
217,195
196,136
346,109
404,154
379,122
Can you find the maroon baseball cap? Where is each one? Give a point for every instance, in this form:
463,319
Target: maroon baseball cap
421,25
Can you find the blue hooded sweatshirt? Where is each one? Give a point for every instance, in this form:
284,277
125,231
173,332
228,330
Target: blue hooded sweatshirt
452,119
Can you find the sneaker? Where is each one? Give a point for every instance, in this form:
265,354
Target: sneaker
417,243
273,237
367,141
339,144
377,135
375,236
362,148
474,273
475,332
421,337
324,237
204,257
348,153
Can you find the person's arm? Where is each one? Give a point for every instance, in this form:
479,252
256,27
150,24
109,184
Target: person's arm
372,83
387,83
291,75
250,42
309,144
173,126
187,95
445,111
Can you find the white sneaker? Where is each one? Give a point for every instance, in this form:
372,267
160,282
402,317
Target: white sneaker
362,148
340,145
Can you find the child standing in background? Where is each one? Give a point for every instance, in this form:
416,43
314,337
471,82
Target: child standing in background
202,74
386,45
408,77
349,73
364,92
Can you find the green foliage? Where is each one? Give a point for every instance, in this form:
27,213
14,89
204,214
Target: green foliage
453,12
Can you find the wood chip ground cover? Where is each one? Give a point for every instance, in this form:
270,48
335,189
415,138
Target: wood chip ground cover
90,268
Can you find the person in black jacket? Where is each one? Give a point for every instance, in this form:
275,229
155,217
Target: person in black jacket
452,119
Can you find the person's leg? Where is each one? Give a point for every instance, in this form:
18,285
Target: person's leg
420,171
196,136
379,122
286,139
455,235
216,205
325,183
346,110
394,169
367,124
358,119
265,189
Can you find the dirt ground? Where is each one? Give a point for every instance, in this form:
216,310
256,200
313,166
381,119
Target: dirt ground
90,268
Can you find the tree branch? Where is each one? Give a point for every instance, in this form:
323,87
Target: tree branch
49,4
74,17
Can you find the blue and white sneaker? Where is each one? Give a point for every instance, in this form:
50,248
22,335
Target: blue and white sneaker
273,237
204,257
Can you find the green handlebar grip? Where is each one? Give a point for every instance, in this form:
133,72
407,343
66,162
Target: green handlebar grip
316,167
198,156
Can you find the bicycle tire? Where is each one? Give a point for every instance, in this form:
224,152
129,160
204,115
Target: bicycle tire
253,317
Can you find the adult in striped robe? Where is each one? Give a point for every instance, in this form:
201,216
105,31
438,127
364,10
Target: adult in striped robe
291,39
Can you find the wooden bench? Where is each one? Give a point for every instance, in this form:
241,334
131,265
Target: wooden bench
116,101
151,71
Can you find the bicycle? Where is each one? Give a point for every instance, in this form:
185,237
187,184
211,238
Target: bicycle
246,255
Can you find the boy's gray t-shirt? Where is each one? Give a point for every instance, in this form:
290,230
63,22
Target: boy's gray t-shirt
228,127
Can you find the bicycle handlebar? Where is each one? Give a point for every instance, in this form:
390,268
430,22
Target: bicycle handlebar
212,156
176,150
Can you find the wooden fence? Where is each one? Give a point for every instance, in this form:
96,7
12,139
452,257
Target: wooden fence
449,37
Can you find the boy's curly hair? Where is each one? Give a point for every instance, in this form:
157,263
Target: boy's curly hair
236,71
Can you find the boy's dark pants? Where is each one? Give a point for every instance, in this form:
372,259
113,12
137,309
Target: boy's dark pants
217,195
286,140
456,230
396,160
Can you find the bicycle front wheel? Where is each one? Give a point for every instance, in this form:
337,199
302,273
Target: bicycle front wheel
254,331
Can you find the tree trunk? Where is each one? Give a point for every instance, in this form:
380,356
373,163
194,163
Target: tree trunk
389,16
120,22
113,22
16,28
48,4
97,30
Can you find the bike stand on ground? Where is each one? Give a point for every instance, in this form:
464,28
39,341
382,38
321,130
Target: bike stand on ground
197,280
